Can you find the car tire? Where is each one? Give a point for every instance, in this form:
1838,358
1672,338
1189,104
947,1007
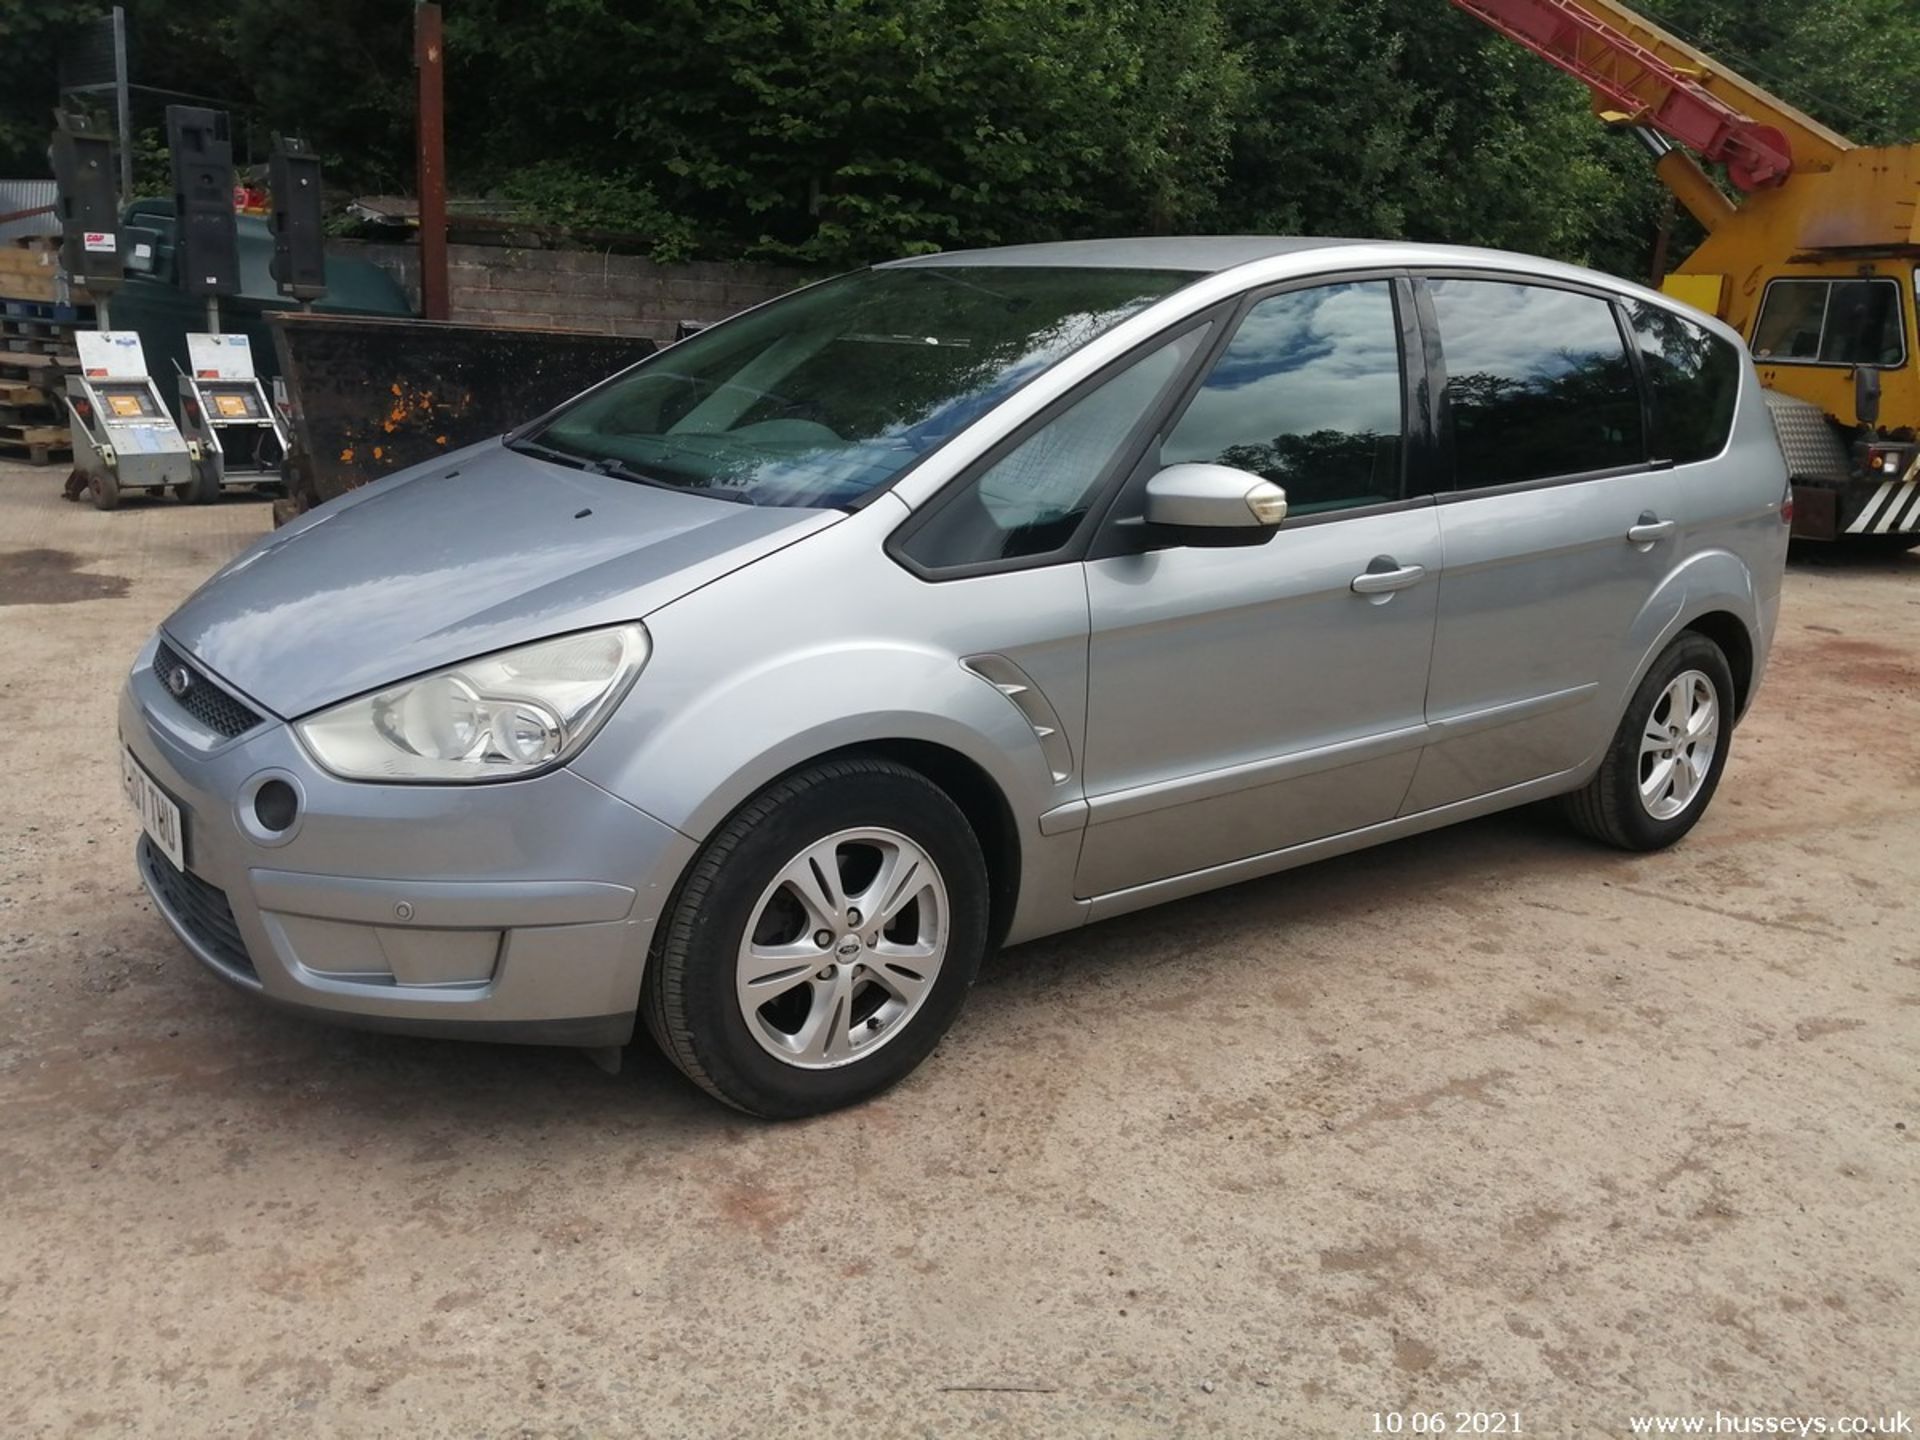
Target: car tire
104,489
845,1019
1632,802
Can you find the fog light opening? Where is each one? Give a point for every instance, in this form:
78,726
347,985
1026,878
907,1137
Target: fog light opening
275,806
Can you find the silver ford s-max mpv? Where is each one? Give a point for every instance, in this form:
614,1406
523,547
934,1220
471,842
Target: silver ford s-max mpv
762,690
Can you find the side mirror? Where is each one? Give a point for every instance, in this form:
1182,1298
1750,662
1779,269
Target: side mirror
1216,498
1866,395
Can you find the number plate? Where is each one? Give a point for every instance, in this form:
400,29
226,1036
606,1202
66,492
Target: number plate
160,817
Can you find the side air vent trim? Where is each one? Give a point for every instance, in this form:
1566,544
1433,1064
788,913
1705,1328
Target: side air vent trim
1014,683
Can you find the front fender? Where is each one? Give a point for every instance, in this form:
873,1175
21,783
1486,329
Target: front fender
689,755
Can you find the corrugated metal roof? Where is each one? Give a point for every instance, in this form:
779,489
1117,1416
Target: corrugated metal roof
26,195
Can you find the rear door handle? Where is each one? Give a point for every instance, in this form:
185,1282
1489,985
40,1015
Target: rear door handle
1380,582
1649,530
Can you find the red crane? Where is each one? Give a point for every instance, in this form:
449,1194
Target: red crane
1644,88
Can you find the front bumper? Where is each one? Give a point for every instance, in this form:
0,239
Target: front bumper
517,911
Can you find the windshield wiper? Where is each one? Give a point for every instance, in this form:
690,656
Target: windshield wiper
592,464
547,452
620,470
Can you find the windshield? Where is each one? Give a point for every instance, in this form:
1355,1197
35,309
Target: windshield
821,397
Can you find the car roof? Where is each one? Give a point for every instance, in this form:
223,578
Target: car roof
1199,254
1209,255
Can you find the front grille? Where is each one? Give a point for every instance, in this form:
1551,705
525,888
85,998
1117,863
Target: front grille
194,693
201,909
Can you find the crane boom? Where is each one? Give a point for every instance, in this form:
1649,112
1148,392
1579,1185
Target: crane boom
1647,77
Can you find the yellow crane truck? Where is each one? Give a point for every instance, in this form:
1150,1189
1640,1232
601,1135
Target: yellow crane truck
1815,260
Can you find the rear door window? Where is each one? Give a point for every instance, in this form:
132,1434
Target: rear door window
1539,383
1693,382
1831,322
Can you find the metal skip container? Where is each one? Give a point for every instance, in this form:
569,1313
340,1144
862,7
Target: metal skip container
369,396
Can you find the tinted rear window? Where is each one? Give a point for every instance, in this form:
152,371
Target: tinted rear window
1693,380
1538,383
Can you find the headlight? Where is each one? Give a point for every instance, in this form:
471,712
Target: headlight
487,719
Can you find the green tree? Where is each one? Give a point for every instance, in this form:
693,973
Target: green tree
830,130
30,37
1406,119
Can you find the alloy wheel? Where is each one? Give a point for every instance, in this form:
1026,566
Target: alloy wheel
843,948
1678,744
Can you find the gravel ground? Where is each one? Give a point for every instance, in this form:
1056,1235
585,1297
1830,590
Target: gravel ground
1486,1120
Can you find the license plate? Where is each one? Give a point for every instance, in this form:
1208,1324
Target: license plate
160,817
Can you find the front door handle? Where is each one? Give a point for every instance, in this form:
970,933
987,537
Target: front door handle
1387,578
1650,529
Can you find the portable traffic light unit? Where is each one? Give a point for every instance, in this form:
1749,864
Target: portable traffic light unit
123,437
88,208
209,251
232,432
231,427
299,264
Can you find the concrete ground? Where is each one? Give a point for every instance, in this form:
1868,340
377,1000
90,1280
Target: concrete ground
1488,1120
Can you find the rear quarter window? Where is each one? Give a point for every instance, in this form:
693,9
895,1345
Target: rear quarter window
1693,383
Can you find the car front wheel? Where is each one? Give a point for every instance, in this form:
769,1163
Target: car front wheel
1666,758
823,942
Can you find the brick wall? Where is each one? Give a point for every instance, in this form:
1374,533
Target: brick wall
583,289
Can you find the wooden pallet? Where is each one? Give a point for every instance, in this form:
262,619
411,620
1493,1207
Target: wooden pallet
38,444
57,312
37,353
29,274
11,344
47,373
36,454
11,360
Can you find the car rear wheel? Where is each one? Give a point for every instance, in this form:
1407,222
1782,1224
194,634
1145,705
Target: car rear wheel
1666,758
823,942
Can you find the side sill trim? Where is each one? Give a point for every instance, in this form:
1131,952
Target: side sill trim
1252,774
1452,727
1194,882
